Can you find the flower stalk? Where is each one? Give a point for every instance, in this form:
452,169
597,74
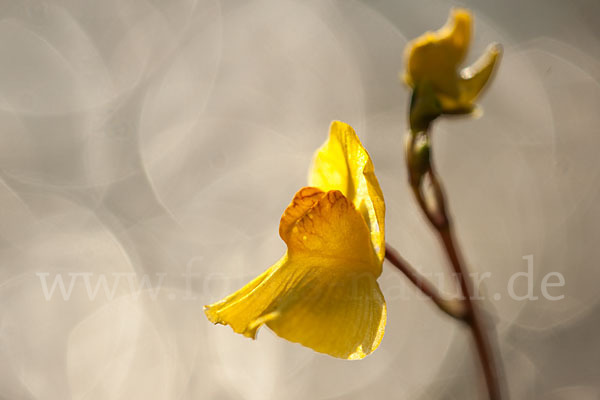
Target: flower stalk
441,88
483,334
453,307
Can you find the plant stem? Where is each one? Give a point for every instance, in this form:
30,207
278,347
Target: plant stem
482,334
455,309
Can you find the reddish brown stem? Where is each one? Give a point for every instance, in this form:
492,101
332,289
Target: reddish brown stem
455,309
476,321
481,332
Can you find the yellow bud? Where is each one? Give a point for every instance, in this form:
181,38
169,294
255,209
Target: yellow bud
434,59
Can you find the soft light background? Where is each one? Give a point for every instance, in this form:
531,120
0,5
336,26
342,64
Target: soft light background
158,139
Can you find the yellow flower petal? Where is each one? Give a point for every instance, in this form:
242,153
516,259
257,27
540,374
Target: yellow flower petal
343,164
342,314
242,309
323,293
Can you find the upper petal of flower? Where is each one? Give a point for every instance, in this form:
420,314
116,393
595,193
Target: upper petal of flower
436,56
343,164
323,292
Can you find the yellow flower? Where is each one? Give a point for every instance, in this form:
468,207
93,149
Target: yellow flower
434,59
323,292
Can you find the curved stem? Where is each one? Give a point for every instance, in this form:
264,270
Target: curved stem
481,332
455,309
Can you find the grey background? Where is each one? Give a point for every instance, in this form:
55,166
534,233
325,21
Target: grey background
161,139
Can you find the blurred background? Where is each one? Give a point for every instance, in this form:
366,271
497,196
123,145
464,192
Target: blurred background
148,149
